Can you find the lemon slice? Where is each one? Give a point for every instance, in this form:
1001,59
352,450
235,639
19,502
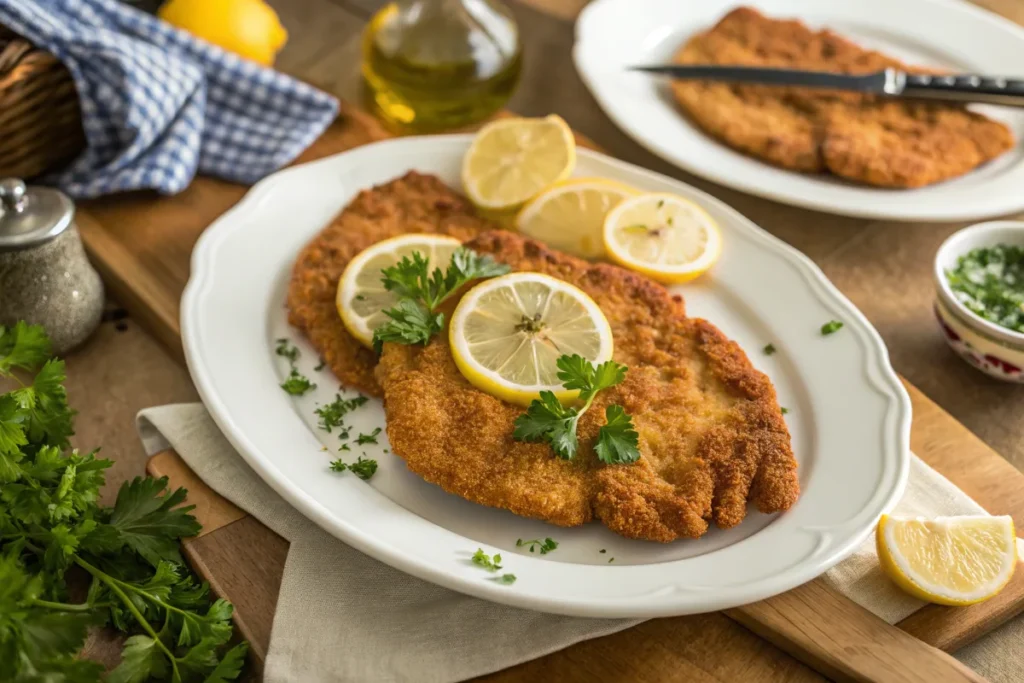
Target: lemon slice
511,160
361,297
570,216
948,560
663,236
507,333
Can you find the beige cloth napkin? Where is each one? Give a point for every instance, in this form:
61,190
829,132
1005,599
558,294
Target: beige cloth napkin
375,623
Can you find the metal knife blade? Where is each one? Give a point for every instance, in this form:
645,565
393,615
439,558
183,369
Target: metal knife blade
890,82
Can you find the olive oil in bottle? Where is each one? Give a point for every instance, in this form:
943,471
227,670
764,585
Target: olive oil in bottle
429,65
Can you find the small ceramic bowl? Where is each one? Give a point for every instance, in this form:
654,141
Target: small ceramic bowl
995,350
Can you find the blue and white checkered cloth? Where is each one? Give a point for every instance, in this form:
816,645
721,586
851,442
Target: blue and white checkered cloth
159,105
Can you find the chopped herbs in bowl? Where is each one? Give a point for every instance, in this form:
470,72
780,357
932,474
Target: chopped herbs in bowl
989,281
979,280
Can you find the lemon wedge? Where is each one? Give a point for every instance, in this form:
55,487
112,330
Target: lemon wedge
948,560
664,236
570,215
507,333
361,298
511,160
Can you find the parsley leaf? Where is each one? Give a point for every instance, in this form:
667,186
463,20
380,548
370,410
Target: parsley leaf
784,410
830,327
297,384
364,439
546,546
150,520
617,441
410,323
546,420
338,465
414,320
482,559
332,414
506,579
769,349
22,346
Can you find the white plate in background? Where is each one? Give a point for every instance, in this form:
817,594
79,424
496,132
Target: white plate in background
614,34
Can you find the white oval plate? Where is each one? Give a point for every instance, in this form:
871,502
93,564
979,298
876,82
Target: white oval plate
849,415
614,34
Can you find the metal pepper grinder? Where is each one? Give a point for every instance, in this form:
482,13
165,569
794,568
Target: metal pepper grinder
45,277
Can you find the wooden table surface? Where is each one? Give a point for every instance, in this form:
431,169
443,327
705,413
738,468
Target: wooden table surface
883,267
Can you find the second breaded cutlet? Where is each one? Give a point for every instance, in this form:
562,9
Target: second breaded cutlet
414,203
863,138
712,436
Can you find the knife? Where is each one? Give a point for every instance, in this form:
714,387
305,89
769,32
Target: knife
890,82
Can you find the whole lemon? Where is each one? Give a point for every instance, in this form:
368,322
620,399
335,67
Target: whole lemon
249,28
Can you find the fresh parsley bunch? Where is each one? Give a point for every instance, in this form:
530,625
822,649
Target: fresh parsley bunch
52,525
414,319
546,420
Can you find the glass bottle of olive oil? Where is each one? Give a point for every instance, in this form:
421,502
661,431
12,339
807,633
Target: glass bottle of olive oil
434,64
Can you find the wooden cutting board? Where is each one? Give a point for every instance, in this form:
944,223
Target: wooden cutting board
142,245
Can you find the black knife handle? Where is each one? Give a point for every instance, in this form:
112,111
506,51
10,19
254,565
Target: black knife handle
965,88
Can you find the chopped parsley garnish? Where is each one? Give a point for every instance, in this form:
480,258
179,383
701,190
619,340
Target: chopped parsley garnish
546,546
364,439
287,350
482,559
320,366
344,447
610,560
362,468
332,414
602,550
784,410
360,297
661,203
769,349
53,526
413,319
297,384
989,281
830,327
546,420
506,579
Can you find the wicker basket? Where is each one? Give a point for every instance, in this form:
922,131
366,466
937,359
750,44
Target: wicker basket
40,122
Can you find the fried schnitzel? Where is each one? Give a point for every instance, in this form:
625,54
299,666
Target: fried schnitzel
711,432
410,204
864,138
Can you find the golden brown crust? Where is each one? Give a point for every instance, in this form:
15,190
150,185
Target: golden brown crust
863,138
413,203
712,435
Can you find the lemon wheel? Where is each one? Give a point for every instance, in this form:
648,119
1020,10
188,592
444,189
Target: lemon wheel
511,160
664,236
362,299
570,215
948,560
508,332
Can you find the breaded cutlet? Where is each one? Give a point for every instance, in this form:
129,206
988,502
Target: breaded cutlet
414,203
712,436
863,138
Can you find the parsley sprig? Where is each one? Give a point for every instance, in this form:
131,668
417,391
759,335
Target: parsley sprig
362,468
546,420
414,319
51,526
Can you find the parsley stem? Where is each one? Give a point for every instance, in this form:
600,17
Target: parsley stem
68,607
146,626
